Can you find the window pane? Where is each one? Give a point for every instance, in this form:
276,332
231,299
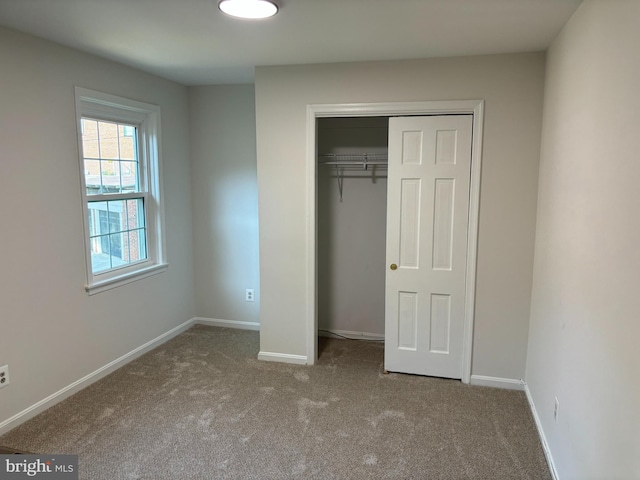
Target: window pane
137,245
135,214
95,225
127,134
129,172
90,138
115,245
117,216
108,140
92,176
100,258
110,171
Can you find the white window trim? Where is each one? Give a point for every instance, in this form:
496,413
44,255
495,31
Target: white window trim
147,118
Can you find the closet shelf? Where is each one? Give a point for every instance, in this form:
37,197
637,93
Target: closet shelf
354,161
362,160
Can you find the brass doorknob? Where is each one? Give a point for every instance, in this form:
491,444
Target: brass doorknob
393,266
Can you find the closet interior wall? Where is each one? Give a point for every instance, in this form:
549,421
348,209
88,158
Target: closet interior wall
351,229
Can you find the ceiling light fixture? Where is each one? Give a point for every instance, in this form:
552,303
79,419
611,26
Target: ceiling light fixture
252,9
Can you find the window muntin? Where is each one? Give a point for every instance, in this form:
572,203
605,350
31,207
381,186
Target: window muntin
120,173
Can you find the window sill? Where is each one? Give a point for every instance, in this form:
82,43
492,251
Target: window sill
120,280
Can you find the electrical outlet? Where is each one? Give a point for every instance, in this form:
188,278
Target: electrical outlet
248,296
4,376
556,406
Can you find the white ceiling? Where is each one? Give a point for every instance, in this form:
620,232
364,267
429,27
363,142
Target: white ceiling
192,42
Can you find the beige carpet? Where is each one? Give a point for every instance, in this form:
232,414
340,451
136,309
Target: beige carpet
202,406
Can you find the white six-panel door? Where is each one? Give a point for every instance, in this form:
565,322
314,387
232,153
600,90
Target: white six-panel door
427,224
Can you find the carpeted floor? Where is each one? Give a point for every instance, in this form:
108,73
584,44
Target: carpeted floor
202,406
10,451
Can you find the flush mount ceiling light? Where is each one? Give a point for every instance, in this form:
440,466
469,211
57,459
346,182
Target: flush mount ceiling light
253,9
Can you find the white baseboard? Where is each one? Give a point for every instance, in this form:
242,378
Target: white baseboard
283,358
87,380
215,322
497,382
543,438
349,334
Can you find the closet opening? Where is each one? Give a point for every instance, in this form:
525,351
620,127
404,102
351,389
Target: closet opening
319,305
351,182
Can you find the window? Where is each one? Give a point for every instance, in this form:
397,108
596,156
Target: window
120,165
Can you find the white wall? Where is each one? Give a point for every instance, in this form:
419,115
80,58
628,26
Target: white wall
225,201
52,332
511,85
352,231
585,310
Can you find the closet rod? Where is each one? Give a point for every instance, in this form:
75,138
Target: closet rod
357,163
342,161
355,156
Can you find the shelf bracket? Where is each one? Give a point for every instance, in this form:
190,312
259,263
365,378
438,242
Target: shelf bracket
340,180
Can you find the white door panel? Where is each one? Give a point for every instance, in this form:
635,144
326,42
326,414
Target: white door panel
427,224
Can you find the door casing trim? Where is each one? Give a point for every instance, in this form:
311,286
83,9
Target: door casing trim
440,107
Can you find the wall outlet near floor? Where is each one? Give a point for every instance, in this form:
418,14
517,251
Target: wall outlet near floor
556,406
4,376
248,296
